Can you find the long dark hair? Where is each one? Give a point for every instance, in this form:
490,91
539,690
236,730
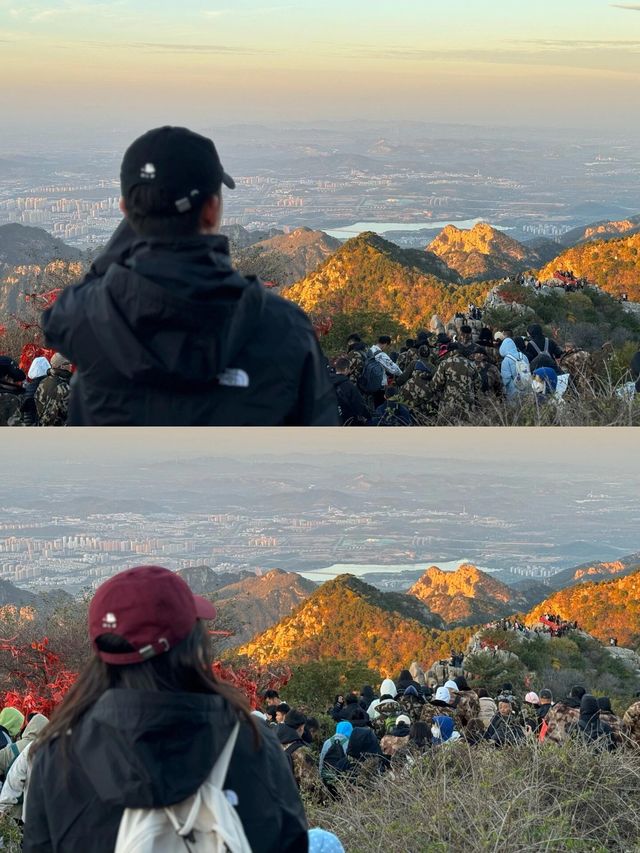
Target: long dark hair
186,668
420,734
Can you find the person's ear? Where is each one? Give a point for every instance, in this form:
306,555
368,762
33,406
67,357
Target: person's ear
123,206
211,215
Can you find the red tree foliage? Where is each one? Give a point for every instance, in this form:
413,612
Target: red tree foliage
38,679
31,351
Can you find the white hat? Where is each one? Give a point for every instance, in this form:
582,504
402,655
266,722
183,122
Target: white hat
39,367
451,685
532,698
403,719
442,694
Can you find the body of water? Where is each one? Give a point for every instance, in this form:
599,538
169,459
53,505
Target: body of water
348,231
360,569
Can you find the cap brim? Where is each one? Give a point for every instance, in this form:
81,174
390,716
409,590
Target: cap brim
204,608
228,181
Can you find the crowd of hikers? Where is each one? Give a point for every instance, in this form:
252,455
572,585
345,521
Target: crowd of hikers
163,331
438,378
380,732
451,376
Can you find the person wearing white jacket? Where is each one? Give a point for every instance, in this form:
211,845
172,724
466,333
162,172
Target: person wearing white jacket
387,688
13,796
379,351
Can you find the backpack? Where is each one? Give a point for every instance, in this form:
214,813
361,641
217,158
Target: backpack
335,762
206,822
372,377
544,351
522,379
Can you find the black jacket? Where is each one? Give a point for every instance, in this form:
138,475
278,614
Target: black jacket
352,713
532,352
146,750
10,404
168,334
351,404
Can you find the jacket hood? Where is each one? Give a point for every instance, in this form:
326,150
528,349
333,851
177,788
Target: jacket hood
508,347
145,749
446,727
175,312
12,720
589,707
34,727
388,688
344,728
363,742
400,730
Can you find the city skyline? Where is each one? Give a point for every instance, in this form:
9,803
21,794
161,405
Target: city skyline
129,64
79,506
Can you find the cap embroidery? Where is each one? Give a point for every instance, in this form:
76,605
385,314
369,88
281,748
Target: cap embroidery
148,171
109,621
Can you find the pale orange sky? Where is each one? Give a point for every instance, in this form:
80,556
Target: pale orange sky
493,61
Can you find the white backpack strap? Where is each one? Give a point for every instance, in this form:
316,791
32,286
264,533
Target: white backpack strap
216,778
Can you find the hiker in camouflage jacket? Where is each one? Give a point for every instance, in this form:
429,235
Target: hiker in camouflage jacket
52,394
562,715
631,723
456,386
612,720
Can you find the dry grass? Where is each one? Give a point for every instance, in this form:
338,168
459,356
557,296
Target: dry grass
532,798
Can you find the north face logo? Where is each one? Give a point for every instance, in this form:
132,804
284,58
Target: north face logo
109,621
148,171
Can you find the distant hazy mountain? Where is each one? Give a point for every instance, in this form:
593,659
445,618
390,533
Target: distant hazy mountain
370,274
11,594
203,580
614,264
347,619
466,596
254,604
605,609
482,253
600,231
545,249
33,262
22,245
302,250
595,571
43,603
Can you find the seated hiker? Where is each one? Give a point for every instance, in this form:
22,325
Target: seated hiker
443,731
303,766
334,763
590,729
397,738
504,728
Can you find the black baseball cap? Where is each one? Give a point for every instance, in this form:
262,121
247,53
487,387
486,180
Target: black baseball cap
9,368
184,164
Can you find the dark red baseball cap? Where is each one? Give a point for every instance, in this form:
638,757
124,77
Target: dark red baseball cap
150,607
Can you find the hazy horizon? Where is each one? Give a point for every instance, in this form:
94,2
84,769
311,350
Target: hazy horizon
130,64
587,450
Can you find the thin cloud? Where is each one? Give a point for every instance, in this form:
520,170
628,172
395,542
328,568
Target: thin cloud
630,7
160,47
